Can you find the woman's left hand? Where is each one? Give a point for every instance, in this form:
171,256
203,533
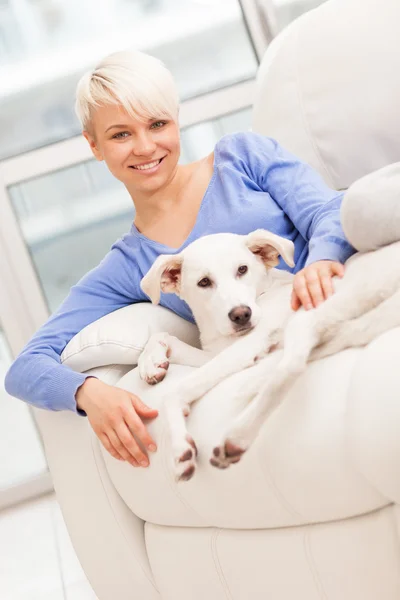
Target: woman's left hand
313,284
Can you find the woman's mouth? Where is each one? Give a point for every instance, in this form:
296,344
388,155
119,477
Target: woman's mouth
147,168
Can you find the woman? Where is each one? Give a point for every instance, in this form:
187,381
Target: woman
128,107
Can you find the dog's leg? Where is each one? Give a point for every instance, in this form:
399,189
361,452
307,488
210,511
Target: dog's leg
272,385
184,450
363,330
243,353
242,432
161,350
302,334
183,446
305,330
176,405
308,329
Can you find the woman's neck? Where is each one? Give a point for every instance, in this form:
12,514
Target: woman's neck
153,205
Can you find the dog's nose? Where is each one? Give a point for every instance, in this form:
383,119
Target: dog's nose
240,315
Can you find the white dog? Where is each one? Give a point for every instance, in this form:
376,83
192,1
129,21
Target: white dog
241,305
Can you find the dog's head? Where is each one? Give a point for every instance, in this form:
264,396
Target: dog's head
220,277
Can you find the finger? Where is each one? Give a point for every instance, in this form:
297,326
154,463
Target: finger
314,288
295,302
111,450
142,408
337,269
138,428
327,284
109,447
126,433
301,289
316,293
134,458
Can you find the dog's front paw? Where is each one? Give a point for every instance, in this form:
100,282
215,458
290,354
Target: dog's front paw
153,363
185,454
228,453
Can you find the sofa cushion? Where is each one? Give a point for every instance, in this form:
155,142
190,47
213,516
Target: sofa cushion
298,471
329,89
119,337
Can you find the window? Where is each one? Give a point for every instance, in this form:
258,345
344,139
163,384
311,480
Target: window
21,454
282,12
46,46
70,218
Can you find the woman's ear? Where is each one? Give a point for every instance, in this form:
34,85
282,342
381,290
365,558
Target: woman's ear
165,274
269,247
93,145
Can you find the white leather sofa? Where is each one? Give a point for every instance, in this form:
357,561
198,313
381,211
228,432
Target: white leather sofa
312,511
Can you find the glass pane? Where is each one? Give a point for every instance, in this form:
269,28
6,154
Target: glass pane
21,454
70,218
288,10
45,46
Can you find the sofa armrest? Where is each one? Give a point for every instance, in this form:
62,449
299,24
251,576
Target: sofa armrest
107,536
373,415
119,337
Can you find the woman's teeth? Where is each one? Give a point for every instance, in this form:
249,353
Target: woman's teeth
148,166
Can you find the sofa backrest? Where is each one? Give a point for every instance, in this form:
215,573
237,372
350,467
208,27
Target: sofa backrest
329,88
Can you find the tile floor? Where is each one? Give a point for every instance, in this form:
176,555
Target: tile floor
37,561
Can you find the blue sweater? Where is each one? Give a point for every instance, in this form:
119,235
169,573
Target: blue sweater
255,183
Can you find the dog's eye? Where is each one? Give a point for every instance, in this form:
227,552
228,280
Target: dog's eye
205,282
242,270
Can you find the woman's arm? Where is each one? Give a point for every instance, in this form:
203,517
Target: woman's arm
37,375
313,208
311,205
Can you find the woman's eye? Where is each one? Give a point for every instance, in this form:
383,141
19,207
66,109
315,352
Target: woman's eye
120,135
242,270
158,124
205,282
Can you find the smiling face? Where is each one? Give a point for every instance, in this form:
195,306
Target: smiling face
142,154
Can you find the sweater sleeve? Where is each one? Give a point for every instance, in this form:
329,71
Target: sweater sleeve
37,375
312,206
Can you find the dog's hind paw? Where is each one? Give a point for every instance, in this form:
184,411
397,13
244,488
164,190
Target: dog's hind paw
226,454
185,460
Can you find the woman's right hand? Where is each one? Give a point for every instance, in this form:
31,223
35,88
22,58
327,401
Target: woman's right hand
116,418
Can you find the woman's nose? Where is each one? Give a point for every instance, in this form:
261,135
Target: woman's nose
144,146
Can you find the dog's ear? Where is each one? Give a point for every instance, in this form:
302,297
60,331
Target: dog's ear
269,247
165,275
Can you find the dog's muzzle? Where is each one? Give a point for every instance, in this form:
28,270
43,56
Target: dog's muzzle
240,317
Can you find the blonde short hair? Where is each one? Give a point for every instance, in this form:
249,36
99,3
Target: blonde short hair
138,82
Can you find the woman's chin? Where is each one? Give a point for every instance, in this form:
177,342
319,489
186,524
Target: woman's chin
147,183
